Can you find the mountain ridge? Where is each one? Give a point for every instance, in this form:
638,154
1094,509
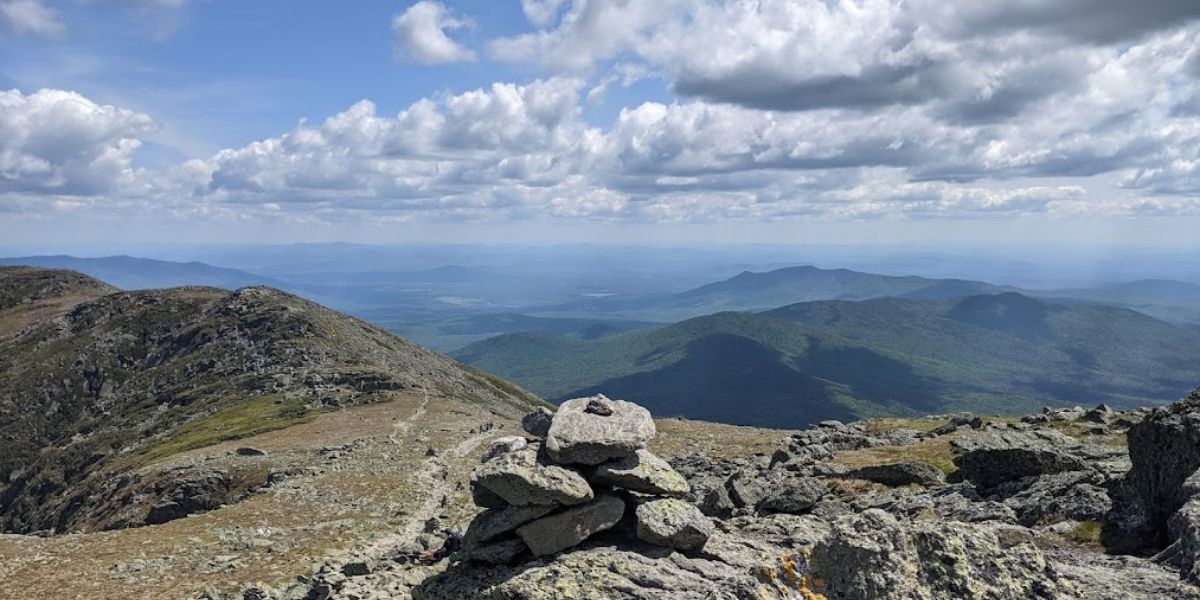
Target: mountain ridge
999,354
123,379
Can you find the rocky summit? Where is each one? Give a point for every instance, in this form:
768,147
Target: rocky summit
933,508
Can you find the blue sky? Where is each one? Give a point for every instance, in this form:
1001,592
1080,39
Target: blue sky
626,120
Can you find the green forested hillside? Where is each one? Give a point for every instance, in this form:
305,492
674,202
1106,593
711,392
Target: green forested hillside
1004,353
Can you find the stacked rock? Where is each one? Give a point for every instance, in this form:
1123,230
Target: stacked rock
588,468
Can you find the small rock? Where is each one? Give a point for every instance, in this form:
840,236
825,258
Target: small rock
673,524
358,567
503,445
249,451
537,423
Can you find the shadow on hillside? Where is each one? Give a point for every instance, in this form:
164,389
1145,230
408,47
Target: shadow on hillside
730,379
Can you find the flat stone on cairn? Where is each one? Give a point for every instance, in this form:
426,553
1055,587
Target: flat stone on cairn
539,499
589,431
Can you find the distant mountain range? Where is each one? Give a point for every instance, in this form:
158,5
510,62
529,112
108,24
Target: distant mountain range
445,335
131,273
991,353
759,291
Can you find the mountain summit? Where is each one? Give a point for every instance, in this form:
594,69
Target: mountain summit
96,383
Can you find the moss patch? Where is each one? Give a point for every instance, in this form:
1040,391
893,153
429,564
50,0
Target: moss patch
237,419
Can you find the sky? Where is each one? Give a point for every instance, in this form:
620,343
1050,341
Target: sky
686,121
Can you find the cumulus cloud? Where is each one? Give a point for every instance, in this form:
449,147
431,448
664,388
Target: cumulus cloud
60,143
421,34
868,109
31,17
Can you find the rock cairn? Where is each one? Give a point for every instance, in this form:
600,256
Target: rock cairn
586,470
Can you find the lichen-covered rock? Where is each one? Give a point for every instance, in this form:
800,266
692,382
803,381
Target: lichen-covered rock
642,472
872,555
989,459
495,522
794,495
1164,449
573,525
524,478
503,446
903,473
537,423
673,524
582,435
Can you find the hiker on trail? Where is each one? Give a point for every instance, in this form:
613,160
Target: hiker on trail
451,545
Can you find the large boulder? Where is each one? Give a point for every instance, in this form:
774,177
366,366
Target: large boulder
642,472
572,526
873,555
672,523
1165,451
523,477
590,431
990,459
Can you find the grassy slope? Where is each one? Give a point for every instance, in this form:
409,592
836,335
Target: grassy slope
999,354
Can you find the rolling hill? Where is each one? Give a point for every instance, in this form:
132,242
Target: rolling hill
445,335
759,291
999,354
95,384
132,273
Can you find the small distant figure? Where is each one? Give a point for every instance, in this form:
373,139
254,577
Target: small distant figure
451,545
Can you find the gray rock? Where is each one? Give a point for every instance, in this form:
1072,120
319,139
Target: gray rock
873,555
989,459
577,436
794,495
537,423
642,472
358,566
897,474
523,478
673,524
572,526
249,451
504,445
498,552
495,522
1164,449
1074,496
486,498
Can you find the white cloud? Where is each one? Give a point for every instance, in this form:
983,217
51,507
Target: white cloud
421,34
874,109
541,12
31,17
60,143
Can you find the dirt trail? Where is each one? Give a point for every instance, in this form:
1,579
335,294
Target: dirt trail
432,477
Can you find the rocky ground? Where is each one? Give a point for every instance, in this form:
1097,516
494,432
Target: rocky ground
938,507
